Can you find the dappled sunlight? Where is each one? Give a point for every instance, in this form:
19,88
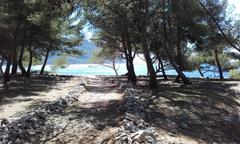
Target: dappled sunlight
206,114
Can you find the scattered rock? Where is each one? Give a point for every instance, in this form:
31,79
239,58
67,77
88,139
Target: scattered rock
134,129
33,126
4,122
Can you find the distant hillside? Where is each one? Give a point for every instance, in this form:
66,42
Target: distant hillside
88,48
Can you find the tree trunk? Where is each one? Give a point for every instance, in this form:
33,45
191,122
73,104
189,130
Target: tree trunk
152,73
163,69
21,54
114,66
175,66
131,71
218,64
7,71
28,73
129,61
130,68
143,31
20,61
14,61
200,72
1,70
161,65
45,61
14,49
180,73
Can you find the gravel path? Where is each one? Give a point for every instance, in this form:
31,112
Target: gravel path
94,115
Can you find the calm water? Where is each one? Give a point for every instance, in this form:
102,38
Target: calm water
94,69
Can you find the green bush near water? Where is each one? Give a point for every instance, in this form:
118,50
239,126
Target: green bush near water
234,74
59,63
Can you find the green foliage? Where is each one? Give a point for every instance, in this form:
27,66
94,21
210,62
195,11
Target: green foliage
59,63
37,60
198,59
234,74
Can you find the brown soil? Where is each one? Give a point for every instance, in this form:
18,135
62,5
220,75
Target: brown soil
25,94
95,116
204,112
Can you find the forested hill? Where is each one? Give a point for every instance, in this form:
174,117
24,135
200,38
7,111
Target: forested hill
87,46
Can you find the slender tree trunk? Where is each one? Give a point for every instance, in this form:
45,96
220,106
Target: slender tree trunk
20,60
218,65
200,72
175,66
45,62
14,61
163,69
143,32
129,61
1,70
131,71
160,64
28,73
152,73
114,66
7,71
130,68
14,49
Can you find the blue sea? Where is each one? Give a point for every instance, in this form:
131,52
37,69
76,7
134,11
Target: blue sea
97,69
79,65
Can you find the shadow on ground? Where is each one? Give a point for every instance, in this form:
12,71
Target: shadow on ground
205,111
26,87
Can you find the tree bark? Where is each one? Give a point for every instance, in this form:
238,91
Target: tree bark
45,60
14,47
1,70
152,73
20,61
218,65
145,46
28,73
14,61
175,66
163,69
160,64
114,66
130,68
200,72
129,60
7,71
23,70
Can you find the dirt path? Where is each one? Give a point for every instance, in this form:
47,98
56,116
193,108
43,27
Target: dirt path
18,102
93,116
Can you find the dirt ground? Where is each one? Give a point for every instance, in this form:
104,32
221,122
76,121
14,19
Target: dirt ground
25,94
94,117
204,112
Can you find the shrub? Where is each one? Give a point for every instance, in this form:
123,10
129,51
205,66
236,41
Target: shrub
59,63
234,74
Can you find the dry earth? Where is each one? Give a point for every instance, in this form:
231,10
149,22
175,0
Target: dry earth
204,112
26,94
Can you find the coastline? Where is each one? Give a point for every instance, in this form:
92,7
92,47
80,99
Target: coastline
102,69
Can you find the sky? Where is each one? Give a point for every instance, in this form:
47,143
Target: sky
235,4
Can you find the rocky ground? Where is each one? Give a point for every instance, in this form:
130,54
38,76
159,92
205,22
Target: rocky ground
25,94
105,111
